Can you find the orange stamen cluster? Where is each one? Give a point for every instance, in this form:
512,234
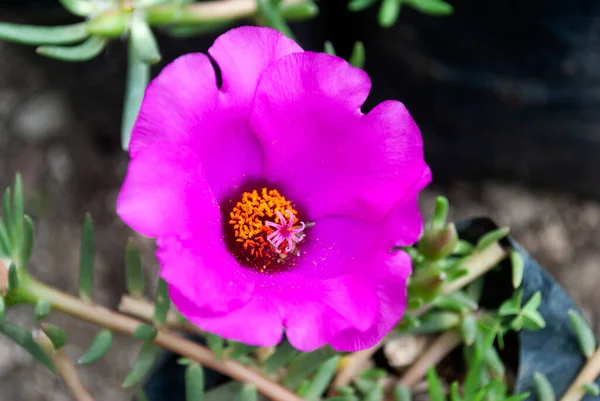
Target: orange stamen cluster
249,216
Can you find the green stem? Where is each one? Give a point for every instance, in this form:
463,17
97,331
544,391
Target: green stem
30,291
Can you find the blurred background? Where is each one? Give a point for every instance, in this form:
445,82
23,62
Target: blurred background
506,92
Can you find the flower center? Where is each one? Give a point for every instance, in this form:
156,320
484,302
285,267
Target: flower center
266,227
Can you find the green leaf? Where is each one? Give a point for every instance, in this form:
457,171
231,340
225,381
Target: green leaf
364,386
376,393
347,397
299,11
109,24
43,35
248,393
273,18
2,309
357,58
145,332
491,237
23,338
143,364
86,258
143,41
345,390
42,309
533,320
138,76
440,212
237,350
457,301
468,329
98,348
591,389
215,343
373,374
322,377
583,332
162,302
27,239
463,247
5,248
13,277
329,48
134,273
434,385
431,7
543,388
81,52
140,395
359,5
402,393
518,268
511,306
57,336
8,217
18,215
517,397
194,382
454,393
434,322
304,364
188,31
534,302
475,289
81,8
284,353
389,12
493,362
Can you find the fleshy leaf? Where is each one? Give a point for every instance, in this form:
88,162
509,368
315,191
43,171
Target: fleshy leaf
98,348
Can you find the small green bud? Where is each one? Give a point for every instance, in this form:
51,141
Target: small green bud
438,243
426,284
111,24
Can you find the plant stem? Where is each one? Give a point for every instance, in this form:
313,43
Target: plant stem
64,367
478,264
207,11
588,374
142,309
444,344
117,322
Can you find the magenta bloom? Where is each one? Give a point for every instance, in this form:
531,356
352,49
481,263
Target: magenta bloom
274,199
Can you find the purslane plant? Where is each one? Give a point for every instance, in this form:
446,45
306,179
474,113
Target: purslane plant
448,306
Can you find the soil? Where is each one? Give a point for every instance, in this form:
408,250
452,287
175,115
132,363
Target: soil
59,127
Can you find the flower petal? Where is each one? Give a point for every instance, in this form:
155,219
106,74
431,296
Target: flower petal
347,289
244,53
184,107
322,151
165,195
256,323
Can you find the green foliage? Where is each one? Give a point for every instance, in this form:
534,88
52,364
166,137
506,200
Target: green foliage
194,382
134,273
42,309
57,336
23,338
84,51
86,259
583,332
98,348
142,366
162,302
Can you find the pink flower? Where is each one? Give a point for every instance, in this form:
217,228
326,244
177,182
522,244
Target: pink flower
274,199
